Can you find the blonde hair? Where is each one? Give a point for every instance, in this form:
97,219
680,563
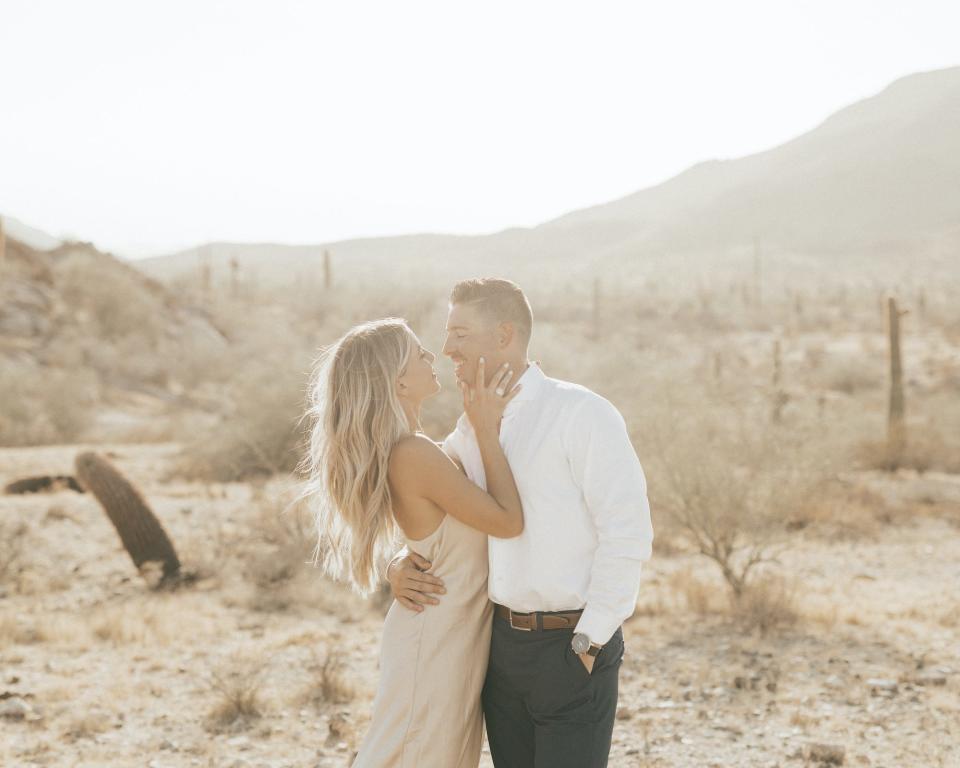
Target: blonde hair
357,419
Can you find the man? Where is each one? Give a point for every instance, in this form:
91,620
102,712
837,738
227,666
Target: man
562,588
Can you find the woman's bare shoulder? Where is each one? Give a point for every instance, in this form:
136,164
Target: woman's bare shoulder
413,450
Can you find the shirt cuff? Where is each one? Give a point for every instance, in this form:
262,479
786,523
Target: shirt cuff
597,625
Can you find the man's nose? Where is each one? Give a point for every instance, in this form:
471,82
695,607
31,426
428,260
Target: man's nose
448,347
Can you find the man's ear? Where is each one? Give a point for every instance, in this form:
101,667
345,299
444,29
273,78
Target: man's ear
505,334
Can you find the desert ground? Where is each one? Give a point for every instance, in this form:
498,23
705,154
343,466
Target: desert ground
264,663
800,608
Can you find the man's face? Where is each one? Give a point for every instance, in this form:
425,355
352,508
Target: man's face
470,336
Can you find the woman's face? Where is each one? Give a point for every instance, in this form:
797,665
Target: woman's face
418,380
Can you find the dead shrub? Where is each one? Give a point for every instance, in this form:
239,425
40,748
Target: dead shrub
768,602
925,450
259,431
13,539
849,376
697,594
843,512
284,533
34,410
239,702
729,481
333,683
113,297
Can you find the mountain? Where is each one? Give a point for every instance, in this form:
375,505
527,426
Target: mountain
30,236
880,178
81,332
883,170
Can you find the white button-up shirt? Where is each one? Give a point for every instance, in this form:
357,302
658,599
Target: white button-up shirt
587,526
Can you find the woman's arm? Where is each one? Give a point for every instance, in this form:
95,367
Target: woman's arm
418,468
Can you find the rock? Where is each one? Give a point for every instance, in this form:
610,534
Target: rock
624,713
930,679
882,686
826,754
14,708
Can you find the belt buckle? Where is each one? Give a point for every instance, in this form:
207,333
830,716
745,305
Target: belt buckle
514,626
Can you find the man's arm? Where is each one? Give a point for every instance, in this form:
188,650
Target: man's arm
410,584
608,471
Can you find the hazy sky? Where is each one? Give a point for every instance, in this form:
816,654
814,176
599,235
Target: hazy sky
148,126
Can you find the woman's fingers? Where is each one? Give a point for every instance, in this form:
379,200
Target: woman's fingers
497,381
505,383
512,394
481,376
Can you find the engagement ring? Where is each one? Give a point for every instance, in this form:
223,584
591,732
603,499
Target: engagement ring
500,391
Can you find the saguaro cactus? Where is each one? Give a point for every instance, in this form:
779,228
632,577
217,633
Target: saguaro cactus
757,274
3,246
140,532
234,277
778,397
896,425
596,318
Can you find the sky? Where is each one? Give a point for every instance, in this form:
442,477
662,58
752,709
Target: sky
148,127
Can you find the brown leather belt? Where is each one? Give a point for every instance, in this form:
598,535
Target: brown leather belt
538,620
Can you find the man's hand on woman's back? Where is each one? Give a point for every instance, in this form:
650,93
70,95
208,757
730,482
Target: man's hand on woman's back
410,583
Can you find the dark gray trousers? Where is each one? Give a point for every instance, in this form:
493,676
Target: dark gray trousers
542,708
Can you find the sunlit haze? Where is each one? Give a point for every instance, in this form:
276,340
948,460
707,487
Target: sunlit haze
149,127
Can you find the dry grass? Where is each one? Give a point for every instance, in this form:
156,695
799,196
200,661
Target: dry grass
286,538
844,512
699,595
13,538
728,481
152,620
239,700
258,431
332,682
768,602
926,449
34,410
88,725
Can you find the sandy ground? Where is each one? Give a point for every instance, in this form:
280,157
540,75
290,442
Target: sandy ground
98,671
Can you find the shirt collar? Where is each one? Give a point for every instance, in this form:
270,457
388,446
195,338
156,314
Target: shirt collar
531,381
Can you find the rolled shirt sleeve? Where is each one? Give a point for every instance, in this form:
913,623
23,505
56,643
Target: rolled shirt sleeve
605,466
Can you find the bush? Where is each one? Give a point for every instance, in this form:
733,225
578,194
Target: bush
40,405
259,431
730,481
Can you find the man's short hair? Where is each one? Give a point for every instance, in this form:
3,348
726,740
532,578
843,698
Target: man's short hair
500,300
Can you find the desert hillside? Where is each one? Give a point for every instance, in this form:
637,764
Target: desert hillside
86,340
876,183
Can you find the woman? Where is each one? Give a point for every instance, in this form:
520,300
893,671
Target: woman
373,475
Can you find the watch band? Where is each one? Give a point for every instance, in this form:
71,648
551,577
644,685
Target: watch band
594,650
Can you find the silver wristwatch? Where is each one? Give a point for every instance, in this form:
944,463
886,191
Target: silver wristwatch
581,644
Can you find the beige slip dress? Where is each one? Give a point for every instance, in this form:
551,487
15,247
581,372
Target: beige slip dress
427,711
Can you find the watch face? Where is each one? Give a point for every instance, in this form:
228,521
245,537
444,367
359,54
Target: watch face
581,643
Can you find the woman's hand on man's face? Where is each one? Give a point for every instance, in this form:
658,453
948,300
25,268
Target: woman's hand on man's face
484,403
